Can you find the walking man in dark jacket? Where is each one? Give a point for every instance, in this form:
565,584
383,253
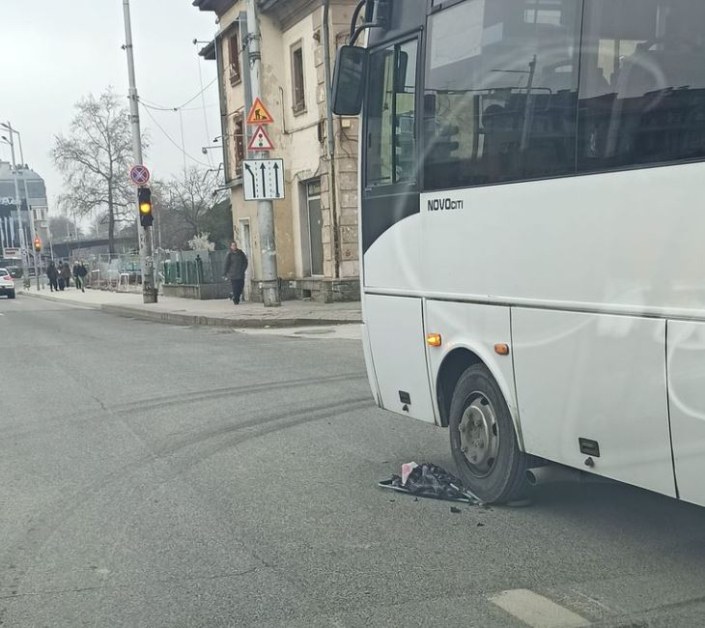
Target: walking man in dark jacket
79,274
53,275
235,267
65,274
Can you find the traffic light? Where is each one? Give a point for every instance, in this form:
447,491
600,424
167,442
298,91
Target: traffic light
144,199
37,244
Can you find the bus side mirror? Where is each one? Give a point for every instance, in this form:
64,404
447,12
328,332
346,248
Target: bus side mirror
349,80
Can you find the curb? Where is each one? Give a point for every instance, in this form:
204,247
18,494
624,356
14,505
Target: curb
46,297
177,318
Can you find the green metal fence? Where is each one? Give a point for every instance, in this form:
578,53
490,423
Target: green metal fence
193,267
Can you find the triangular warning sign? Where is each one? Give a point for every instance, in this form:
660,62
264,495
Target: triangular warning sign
260,140
259,114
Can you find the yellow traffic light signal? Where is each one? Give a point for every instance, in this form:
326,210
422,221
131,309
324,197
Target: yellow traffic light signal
38,244
144,201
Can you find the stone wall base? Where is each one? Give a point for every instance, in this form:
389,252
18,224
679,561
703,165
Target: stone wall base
202,292
319,290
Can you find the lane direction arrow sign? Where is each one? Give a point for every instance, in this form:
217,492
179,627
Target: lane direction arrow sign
264,179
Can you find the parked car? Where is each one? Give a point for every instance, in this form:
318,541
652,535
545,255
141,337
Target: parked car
7,283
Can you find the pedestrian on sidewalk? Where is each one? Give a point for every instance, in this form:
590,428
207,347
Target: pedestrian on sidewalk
235,267
79,272
66,274
53,275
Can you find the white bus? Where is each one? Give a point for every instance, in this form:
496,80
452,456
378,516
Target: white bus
532,232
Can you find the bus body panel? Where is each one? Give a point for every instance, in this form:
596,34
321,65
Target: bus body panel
602,242
370,365
395,259
396,333
476,328
600,378
686,396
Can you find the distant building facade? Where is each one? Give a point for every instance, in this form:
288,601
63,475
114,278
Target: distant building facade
32,202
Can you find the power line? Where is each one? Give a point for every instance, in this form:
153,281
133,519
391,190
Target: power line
159,126
155,107
188,102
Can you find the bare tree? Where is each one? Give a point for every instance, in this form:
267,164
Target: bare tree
63,228
192,196
94,159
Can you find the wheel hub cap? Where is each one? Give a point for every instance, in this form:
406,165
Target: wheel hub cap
479,437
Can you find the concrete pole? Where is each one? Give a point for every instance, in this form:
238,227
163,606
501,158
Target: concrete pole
149,292
32,232
265,209
18,205
32,229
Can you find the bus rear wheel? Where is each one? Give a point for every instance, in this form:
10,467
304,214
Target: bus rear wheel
482,439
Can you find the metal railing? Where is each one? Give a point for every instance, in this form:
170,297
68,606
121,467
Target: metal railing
117,273
193,267
123,273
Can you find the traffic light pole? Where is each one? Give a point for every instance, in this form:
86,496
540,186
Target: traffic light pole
149,292
32,233
18,205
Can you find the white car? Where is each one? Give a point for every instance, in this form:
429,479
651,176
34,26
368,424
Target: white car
7,283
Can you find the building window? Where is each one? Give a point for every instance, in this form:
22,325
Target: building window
36,189
297,78
234,48
239,142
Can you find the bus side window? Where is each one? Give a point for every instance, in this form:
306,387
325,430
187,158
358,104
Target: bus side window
652,57
500,92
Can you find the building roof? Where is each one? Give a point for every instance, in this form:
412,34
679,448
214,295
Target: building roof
219,6
36,189
288,12
208,51
7,173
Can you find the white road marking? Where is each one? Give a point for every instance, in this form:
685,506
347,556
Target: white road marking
536,610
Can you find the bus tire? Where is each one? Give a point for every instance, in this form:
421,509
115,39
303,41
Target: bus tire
483,440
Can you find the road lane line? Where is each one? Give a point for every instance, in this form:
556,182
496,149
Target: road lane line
536,610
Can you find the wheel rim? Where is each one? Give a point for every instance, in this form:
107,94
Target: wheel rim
479,435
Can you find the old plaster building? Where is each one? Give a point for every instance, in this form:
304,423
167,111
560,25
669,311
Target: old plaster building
316,223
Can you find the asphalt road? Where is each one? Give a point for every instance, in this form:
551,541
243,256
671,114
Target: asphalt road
162,476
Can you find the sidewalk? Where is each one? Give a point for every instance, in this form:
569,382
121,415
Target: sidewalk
216,313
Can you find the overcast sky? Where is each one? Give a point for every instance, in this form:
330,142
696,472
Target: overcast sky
53,52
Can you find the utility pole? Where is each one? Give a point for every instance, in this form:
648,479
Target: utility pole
30,215
149,292
32,231
265,209
18,205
